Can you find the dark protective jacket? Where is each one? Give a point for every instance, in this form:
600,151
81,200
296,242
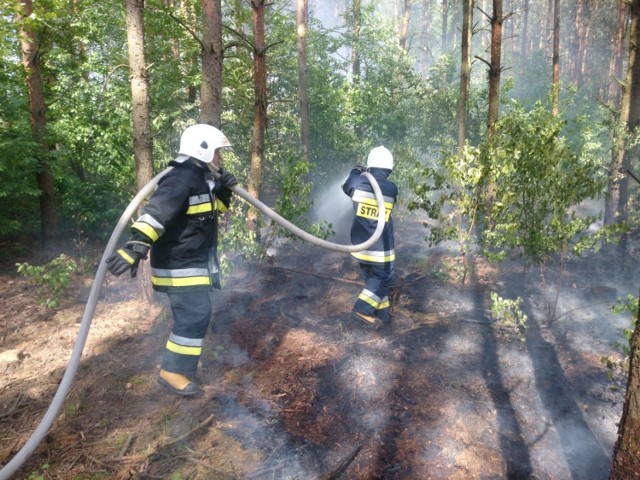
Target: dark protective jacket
366,215
180,222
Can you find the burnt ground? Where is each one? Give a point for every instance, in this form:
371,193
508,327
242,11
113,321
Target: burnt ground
295,388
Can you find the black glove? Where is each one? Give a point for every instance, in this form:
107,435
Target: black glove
127,258
227,179
360,168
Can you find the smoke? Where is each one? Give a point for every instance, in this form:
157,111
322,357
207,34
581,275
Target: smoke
332,206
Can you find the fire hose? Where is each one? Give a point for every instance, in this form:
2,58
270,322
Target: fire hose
67,380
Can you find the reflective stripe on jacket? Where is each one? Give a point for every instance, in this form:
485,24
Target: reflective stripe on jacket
180,220
365,207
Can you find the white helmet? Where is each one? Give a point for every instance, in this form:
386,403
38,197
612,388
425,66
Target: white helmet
380,157
201,141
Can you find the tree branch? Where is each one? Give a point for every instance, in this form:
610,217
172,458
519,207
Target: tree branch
186,27
241,36
482,60
484,13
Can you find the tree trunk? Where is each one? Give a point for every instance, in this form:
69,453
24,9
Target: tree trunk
260,109
141,108
583,28
355,48
626,453
524,41
302,18
211,89
465,68
445,22
404,29
30,52
425,51
495,67
547,42
615,63
616,201
556,58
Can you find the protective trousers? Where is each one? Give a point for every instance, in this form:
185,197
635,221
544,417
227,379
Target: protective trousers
374,298
191,317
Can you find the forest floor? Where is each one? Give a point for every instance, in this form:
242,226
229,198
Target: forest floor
295,388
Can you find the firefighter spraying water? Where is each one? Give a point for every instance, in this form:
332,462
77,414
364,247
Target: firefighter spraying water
377,262
181,215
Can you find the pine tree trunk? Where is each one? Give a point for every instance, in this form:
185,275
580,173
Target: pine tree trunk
30,52
425,51
495,67
445,23
616,201
547,43
404,29
141,108
626,453
355,48
211,88
555,81
465,68
583,28
302,18
524,42
260,109
615,64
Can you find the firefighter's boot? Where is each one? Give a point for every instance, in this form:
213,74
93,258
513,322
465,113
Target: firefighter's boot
369,320
178,384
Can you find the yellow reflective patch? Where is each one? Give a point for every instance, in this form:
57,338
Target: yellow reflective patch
203,207
220,206
368,300
126,256
183,350
180,281
371,212
147,229
373,259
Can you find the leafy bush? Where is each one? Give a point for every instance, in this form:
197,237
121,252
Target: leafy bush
509,312
52,279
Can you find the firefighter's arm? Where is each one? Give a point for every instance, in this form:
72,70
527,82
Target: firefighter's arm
223,191
353,179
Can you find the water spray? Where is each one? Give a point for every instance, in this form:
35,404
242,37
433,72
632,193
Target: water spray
72,367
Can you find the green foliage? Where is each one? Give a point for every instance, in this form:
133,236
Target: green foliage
617,370
93,208
450,195
40,473
509,312
52,279
537,179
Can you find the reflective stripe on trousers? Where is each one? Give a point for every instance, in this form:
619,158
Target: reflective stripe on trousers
191,318
374,298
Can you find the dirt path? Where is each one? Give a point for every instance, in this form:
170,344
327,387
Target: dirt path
297,389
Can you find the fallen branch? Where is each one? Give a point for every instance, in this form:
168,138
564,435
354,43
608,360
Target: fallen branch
342,466
182,437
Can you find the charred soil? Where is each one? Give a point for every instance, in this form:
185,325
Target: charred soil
296,388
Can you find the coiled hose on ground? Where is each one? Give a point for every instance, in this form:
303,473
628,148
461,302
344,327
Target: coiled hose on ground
67,380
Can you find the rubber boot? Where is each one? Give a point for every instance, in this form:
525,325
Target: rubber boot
178,384
369,320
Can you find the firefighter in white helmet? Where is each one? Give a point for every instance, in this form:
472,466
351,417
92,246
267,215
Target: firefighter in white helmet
179,226
377,263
